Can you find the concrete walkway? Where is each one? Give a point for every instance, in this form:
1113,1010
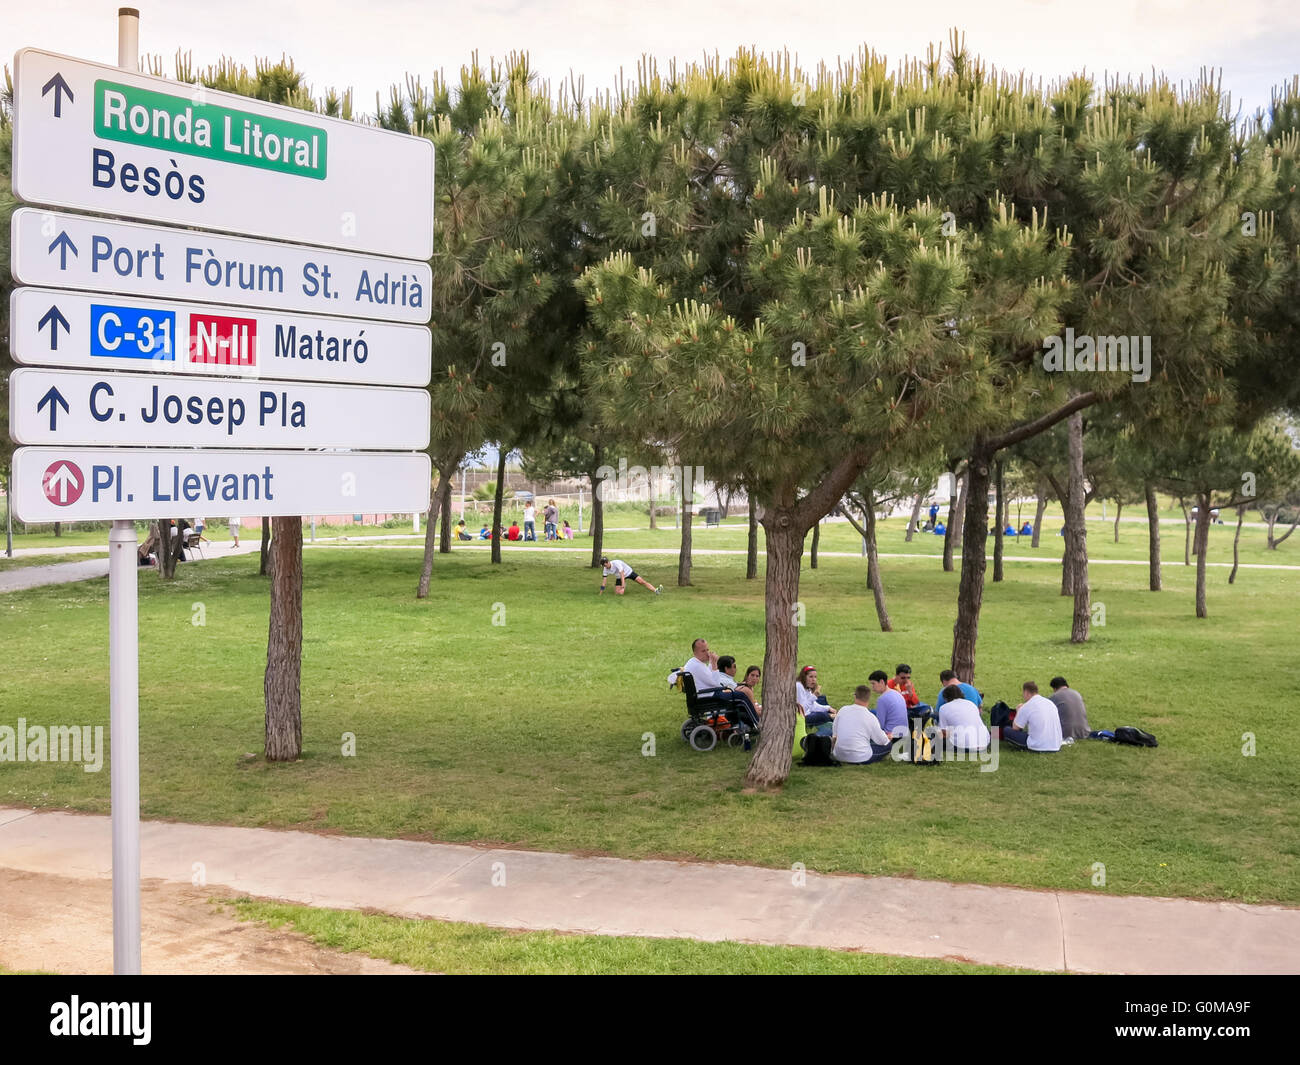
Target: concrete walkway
1050,930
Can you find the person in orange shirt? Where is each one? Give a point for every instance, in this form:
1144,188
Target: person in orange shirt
902,683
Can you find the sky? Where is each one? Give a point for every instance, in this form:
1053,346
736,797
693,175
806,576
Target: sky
1254,44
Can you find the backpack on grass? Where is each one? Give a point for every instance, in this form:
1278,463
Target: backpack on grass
817,751
921,748
1134,737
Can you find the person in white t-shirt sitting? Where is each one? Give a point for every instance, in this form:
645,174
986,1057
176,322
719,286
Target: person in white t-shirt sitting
856,735
716,684
703,668
622,573
1038,723
959,720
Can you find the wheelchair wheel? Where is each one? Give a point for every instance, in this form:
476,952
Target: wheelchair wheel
735,739
687,726
703,738
803,743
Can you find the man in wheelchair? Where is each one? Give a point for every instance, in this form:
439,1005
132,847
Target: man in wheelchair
712,697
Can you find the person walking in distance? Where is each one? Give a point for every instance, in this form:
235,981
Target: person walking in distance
234,530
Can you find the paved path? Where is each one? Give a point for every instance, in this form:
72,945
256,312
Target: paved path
611,896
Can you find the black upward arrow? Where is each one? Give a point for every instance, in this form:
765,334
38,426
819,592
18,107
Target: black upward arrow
55,400
64,243
53,318
60,87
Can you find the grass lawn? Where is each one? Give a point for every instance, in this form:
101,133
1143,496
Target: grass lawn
470,949
531,733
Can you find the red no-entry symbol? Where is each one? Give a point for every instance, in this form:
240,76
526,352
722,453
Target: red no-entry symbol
63,483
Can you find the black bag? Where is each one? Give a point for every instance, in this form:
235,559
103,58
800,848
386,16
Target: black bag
1134,737
1000,715
817,751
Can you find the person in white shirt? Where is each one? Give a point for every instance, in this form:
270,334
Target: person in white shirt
622,573
717,684
856,735
960,721
703,668
530,521
1038,723
812,704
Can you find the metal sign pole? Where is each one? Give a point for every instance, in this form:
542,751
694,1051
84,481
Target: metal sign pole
124,677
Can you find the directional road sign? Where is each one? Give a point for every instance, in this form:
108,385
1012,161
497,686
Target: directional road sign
100,484
98,138
89,330
75,251
75,408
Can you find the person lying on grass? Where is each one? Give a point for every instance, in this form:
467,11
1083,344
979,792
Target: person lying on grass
622,573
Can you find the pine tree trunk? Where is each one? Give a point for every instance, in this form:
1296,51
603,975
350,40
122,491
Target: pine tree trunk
960,517
1076,538
816,539
444,532
916,516
950,529
597,526
1187,533
684,551
1272,519
970,591
652,509
1200,541
1000,517
58,529
1272,543
1153,537
265,559
497,531
873,566
284,645
1119,507
1040,510
169,548
751,552
435,503
1236,540
770,766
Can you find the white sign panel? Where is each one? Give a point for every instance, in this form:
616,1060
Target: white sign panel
98,138
74,251
108,409
90,330
91,484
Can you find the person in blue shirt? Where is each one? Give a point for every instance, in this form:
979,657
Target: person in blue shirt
1028,530
1010,530
948,677
940,529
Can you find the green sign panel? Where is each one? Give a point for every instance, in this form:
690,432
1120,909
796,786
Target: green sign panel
191,127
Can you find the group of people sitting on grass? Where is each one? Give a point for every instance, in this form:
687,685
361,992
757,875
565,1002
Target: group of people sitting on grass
553,532
862,734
